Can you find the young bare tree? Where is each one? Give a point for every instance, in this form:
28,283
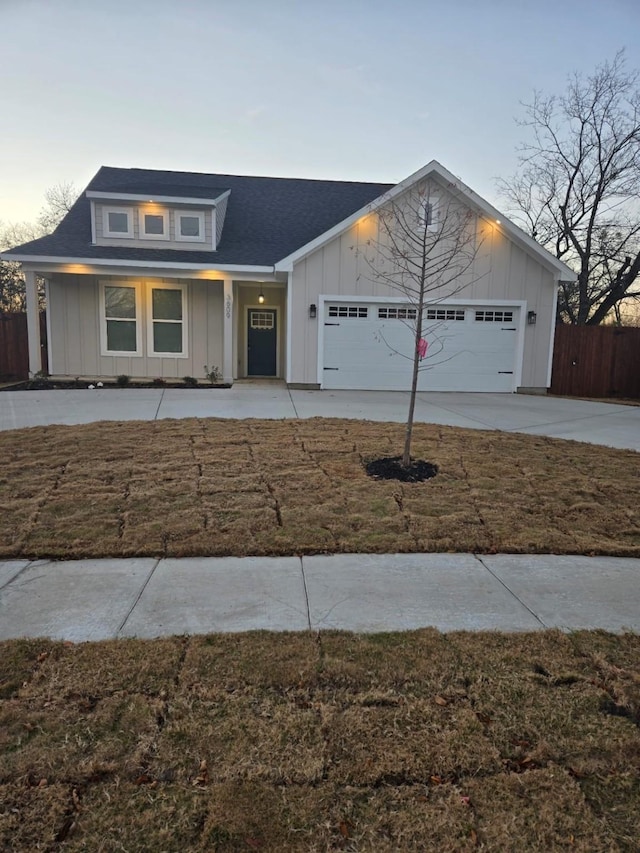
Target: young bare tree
578,187
428,241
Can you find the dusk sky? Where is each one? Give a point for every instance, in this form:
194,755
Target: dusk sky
364,90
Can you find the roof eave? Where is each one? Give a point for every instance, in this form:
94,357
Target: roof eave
99,195
55,264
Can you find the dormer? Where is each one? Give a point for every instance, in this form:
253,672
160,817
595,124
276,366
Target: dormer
183,218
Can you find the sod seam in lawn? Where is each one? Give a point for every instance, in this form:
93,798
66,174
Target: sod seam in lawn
236,488
335,741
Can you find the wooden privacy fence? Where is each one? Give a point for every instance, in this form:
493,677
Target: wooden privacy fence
14,346
596,361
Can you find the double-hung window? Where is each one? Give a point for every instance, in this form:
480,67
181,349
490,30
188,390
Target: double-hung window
120,320
167,332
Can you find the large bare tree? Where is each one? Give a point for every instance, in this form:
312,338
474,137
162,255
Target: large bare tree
577,190
58,201
427,244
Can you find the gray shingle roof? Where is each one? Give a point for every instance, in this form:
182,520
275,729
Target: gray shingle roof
266,219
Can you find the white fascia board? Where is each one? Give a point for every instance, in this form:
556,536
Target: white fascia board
286,264
165,199
56,262
437,169
93,223
552,336
506,224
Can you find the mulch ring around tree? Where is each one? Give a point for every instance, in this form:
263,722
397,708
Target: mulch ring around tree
391,468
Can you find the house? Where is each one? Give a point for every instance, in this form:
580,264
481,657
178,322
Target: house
157,273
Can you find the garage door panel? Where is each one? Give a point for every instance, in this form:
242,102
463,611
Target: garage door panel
373,354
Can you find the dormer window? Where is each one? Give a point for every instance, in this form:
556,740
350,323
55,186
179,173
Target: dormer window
118,222
190,226
154,225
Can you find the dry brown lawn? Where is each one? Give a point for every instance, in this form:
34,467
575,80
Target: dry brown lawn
299,742
221,487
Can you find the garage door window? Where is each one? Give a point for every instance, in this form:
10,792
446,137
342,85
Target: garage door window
445,313
358,311
494,316
397,313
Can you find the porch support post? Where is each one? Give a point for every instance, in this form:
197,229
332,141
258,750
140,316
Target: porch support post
227,332
33,323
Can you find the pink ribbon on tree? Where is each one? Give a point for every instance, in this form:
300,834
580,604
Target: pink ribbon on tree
422,348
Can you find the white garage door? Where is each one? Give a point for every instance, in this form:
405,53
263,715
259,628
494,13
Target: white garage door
469,348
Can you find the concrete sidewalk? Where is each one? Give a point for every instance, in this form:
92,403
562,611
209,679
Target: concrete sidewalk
146,597
598,423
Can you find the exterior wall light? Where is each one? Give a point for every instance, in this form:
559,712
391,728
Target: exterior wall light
531,318
261,298
313,311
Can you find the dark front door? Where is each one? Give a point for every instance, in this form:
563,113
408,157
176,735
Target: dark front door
261,342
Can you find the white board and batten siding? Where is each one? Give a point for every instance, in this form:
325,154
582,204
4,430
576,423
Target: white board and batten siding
504,275
368,345
76,335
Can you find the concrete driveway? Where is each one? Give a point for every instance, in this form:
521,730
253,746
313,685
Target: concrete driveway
597,423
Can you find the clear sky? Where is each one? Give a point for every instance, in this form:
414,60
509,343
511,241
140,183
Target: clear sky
348,89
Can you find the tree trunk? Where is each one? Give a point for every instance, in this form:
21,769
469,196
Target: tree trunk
406,456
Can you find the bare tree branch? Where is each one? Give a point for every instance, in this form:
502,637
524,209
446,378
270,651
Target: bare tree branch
578,187
59,200
426,250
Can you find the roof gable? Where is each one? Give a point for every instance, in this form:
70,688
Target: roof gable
434,169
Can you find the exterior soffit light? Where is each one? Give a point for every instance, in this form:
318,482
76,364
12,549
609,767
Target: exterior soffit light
261,298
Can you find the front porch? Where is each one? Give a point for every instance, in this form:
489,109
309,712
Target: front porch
237,325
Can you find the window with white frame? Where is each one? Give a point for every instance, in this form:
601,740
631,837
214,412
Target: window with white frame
189,225
117,221
429,211
167,329
120,319
153,224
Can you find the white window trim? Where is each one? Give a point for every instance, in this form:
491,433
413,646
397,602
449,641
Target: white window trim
199,214
142,212
124,235
434,200
135,286
151,353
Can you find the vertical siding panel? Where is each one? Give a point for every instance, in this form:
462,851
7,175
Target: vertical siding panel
73,320
500,265
57,317
315,283
298,333
331,267
88,330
